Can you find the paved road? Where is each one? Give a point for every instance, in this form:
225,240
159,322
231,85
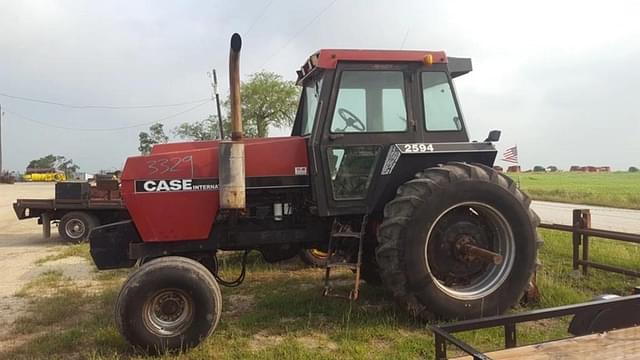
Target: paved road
601,217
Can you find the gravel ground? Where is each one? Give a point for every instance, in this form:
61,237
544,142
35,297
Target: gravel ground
21,245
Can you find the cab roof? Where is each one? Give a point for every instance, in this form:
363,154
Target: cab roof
329,58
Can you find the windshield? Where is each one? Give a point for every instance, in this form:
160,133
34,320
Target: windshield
311,97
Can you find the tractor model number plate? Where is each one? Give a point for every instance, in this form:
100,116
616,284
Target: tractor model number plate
415,148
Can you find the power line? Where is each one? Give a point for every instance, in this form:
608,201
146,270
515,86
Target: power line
206,101
406,34
111,107
260,15
299,32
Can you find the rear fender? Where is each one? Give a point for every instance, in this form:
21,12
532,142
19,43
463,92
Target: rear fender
403,161
110,245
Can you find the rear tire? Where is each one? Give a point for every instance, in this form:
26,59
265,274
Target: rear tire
76,225
424,236
169,303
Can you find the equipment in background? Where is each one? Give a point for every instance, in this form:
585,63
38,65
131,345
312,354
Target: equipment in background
77,208
44,175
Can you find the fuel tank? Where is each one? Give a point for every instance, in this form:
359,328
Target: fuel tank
172,194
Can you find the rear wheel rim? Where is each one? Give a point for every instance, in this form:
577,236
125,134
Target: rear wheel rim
454,272
168,313
318,254
75,228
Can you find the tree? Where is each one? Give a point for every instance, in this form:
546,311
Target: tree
538,168
267,100
67,166
155,135
57,162
633,169
206,129
45,162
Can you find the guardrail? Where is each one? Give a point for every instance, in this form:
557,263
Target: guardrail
581,231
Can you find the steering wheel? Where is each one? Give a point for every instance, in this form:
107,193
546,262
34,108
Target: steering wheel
351,120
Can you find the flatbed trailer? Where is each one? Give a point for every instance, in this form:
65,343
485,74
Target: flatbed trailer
613,345
75,217
606,328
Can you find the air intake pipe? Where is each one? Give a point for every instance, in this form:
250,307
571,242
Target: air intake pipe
231,153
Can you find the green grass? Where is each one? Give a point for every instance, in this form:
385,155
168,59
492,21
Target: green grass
81,250
51,279
278,313
616,189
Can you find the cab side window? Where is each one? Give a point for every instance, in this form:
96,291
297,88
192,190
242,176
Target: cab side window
440,110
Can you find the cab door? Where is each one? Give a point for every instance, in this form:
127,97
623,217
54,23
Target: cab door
369,108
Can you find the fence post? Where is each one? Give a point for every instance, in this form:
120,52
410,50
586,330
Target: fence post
510,335
576,237
441,347
586,224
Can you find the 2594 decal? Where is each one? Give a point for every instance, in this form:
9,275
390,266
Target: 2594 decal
416,148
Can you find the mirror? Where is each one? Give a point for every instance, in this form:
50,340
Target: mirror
494,136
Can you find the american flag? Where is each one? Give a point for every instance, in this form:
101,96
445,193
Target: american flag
511,155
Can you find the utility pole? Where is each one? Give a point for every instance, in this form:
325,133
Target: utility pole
0,139
216,96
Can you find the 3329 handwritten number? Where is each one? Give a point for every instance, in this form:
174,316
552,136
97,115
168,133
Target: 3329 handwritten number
170,165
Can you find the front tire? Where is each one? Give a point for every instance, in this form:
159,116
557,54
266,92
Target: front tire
427,233
169,303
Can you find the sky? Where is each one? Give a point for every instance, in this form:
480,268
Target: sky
559,78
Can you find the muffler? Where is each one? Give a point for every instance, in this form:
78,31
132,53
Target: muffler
231,153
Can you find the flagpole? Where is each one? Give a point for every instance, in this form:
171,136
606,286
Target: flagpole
518,182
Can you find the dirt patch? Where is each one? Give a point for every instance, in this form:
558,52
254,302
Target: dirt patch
317,341
9,342
21,245
237,305
314,341
262,340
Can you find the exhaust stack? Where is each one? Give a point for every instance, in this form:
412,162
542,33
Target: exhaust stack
231,155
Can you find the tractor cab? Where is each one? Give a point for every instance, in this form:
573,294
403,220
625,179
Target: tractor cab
358,105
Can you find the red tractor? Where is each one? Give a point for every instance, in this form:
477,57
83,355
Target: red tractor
379,172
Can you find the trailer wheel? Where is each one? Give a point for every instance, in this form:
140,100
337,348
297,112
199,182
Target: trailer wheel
314,257
170,303
435,235
76,225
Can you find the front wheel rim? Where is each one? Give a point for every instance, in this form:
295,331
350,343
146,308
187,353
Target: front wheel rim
168,313
457,274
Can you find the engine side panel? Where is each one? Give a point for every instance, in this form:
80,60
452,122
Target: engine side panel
172,194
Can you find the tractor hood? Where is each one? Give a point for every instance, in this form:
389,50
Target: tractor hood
172,194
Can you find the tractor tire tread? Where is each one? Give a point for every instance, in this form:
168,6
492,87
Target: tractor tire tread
399,211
